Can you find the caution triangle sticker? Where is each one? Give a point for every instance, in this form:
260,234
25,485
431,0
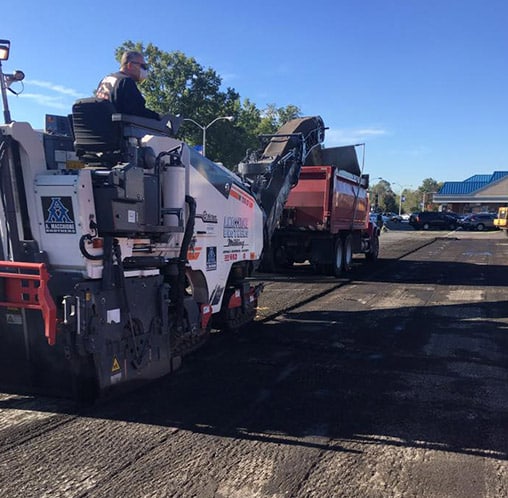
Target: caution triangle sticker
116,366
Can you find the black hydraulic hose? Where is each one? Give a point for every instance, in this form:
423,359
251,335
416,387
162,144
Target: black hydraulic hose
187,238
189,227
8,201
84,252
23,204
3,146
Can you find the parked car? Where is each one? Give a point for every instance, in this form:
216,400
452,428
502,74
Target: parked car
376,219
387,216
426,220
479,221
454,215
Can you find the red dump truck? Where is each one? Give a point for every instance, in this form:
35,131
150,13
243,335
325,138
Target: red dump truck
326,217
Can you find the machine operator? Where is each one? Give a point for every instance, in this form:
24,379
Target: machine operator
120,88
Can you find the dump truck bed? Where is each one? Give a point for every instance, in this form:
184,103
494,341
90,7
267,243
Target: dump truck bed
326,195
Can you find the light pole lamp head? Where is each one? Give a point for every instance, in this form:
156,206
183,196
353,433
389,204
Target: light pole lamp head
5,47
15,76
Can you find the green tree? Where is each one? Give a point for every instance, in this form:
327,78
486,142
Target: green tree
426,192
411,202
386,199
287,113
274,117
180,85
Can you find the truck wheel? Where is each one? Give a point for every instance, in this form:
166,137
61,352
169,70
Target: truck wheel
347,253
338,261
267,264
281,258
373,254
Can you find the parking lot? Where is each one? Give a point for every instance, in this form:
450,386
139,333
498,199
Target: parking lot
390,381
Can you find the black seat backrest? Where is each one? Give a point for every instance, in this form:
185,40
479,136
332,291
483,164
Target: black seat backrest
95,133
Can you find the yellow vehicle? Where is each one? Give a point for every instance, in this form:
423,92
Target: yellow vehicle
502,219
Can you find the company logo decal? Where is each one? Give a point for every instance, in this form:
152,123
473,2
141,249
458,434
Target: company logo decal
235,243
59,215
207,217
211,258
236,227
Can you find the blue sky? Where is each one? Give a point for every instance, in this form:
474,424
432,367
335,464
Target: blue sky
422,82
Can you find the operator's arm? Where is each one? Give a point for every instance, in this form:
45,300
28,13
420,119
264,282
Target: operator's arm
130,100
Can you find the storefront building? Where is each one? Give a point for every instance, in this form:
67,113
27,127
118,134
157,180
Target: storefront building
478,194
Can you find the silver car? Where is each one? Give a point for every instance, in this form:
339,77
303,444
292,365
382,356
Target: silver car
479,221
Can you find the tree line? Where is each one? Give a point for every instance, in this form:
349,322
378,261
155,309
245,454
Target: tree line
392,197
180,85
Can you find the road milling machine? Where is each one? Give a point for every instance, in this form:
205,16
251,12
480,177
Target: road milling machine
121,247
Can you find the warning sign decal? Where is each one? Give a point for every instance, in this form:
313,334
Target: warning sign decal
116,366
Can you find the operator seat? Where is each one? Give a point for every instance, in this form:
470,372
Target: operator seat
101,135
97,138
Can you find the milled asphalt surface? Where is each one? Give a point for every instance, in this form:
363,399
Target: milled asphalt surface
389,382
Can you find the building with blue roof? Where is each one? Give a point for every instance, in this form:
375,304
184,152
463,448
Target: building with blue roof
479,193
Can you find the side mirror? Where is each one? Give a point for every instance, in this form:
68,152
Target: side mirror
172,122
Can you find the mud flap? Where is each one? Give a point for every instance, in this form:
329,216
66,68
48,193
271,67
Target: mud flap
28,365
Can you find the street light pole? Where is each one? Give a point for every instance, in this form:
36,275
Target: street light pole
402,188
204,128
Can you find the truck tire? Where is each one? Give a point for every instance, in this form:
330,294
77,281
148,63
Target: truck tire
338,260
373,253
282,259
347,253
267,263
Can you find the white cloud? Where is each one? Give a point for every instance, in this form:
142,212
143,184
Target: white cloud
62,90
46,100
227,77
420,150
55,97
369,132
337,136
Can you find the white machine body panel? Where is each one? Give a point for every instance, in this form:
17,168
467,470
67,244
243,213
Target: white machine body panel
229,223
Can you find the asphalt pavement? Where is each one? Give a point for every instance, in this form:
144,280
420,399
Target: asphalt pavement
391,381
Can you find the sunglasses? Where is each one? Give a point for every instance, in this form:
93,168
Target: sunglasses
142,65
